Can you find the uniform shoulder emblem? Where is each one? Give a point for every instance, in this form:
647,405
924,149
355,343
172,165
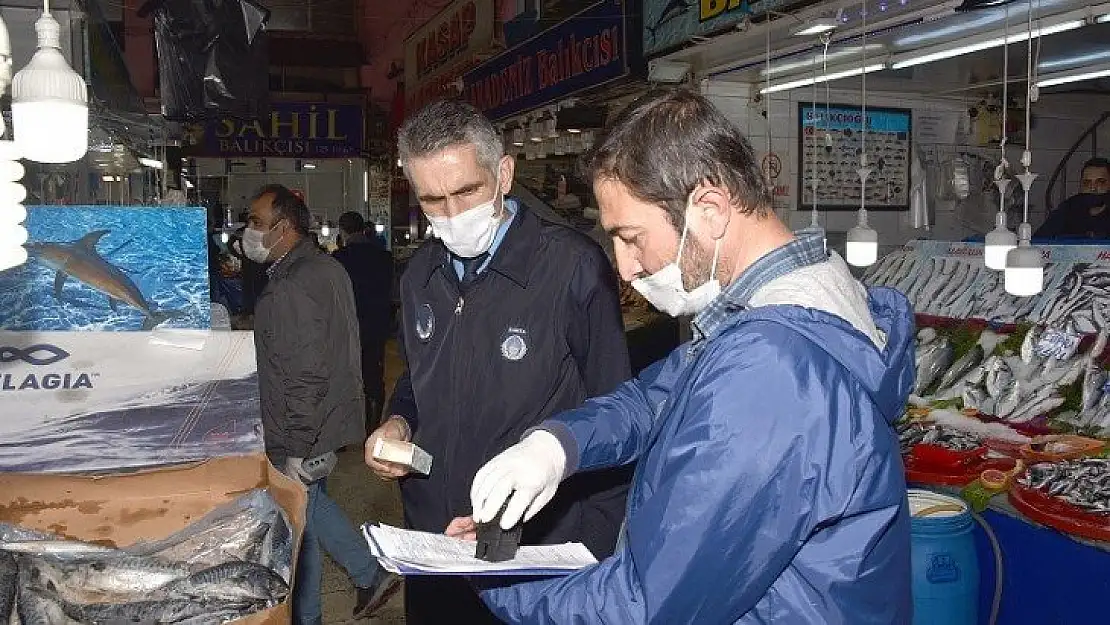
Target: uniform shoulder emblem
514,344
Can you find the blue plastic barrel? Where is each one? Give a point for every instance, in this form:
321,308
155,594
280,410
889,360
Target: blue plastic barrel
945,568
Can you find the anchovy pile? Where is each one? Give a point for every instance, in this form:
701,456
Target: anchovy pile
1084,483
914,433
45,580
963,288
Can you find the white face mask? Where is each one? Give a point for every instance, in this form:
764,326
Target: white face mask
664,288
471,233
254,247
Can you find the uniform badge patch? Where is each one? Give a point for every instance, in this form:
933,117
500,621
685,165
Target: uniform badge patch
425,322
514,344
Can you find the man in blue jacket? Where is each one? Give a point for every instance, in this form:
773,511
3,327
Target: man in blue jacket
506,320
769,487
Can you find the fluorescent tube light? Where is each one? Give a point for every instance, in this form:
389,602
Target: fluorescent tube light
802,82
947,51
1064,78
818,26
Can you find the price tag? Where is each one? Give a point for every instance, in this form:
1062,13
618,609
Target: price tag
1056,344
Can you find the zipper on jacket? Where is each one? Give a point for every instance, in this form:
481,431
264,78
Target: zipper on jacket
459,306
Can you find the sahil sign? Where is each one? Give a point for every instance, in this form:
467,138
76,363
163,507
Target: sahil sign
292,130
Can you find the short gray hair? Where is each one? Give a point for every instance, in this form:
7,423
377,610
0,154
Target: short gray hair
447,123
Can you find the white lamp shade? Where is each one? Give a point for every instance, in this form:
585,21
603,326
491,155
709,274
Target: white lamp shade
1024,271
998,243
50,103
862,249
325,230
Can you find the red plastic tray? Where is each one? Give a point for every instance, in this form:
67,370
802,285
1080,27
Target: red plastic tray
953,475
1058,514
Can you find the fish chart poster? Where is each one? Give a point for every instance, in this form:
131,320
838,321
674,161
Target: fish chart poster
830,142
109,268
99,401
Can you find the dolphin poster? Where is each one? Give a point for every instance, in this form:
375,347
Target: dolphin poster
109,268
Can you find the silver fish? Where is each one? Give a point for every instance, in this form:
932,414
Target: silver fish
9,576
999,376
36,608
77,578
1034,409
1083,483
1029,344
237,581
1009,401
974,397
277,548
1094,377
156,611
956,282
16,533
962,367
935,359
54,547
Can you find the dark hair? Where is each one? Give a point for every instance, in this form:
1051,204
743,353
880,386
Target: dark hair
668,142
1097,161
287,205
445,123
351,222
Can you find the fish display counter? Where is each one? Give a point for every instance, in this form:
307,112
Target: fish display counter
1011,409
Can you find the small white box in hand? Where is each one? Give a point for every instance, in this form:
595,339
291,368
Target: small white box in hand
400,452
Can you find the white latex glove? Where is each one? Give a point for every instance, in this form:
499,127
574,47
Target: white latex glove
530,471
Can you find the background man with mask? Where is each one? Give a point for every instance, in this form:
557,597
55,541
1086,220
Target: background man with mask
370,267
769,487
506,319
1086,215
306,337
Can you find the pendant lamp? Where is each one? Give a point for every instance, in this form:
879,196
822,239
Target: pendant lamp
50,109
1024,266
1001,240
12,214
862,249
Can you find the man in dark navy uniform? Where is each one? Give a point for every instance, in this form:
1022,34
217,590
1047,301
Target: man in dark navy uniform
506,319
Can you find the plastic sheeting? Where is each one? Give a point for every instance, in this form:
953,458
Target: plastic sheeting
212,57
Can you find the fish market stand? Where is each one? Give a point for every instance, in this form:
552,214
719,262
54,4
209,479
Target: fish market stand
1053,570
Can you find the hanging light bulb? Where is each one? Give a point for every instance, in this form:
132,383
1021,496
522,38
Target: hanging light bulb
862,249
1024,266
325,230
50,109
998,242
225,237
12,214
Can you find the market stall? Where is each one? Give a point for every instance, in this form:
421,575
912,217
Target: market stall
1010,411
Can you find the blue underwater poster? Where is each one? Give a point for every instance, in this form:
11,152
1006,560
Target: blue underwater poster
110,268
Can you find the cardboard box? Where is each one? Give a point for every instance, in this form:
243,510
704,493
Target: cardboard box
120,509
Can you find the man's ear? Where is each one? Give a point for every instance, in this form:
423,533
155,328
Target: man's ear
508,169
715,205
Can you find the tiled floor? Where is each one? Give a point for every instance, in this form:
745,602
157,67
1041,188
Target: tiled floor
365,498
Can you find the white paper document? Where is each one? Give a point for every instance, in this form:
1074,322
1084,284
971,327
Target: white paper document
408,552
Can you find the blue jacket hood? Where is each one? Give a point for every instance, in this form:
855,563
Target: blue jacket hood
887,375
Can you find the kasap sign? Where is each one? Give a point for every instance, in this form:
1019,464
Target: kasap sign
585,51
291,129
440,51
